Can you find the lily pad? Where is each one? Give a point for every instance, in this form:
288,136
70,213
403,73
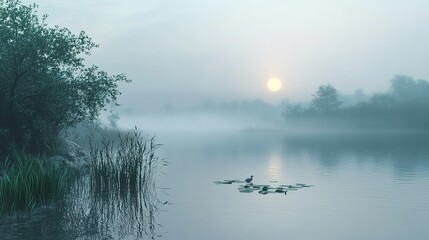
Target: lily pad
263,189
304,185
245,190
266,192
261,186
222,182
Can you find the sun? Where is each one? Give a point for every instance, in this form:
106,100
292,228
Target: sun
274,84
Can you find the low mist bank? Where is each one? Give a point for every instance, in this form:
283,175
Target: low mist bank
197,122
215,122
403,107
204,116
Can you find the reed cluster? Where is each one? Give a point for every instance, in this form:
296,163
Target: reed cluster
123,166
28,180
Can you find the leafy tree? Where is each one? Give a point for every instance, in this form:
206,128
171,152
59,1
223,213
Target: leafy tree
325,99
44,84
382,100
407,90
292,110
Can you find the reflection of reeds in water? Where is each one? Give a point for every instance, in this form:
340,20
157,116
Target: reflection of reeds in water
122,185
115,199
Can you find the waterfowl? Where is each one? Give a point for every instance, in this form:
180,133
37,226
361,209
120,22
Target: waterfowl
248,180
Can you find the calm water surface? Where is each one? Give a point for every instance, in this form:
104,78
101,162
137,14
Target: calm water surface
372,186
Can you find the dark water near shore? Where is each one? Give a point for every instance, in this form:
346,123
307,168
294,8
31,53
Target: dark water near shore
371,186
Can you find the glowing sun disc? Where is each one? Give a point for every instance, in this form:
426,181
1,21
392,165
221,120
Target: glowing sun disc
274,84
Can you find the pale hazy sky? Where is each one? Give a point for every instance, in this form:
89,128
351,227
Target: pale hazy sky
190,50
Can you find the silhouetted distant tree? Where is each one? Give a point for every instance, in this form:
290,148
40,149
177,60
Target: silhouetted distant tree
405,89
44,84
325,99
382,100
292,110
404,106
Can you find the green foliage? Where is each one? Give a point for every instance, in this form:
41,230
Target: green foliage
29,180
326,99
405,89
45,86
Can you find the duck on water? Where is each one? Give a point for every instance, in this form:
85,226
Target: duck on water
249,180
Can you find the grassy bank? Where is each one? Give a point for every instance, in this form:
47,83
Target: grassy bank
28,180
123,166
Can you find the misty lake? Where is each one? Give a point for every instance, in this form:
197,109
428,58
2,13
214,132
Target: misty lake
372,186
369,186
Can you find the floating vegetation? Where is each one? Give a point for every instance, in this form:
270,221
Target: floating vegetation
280,191
264,188
228,182
245,189
304,185
260,186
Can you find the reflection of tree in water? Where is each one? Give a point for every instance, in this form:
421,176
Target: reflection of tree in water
405,151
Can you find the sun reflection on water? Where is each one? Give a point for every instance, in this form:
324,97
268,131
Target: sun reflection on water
275,167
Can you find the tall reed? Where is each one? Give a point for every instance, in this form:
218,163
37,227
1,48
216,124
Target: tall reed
27,180
122,179
124,165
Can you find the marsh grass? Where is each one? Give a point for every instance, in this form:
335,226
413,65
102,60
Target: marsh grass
28,180
124,165
122,178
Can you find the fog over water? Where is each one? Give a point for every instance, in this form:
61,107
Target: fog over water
351,120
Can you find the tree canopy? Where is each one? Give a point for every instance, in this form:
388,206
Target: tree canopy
408,90
44,83
326,99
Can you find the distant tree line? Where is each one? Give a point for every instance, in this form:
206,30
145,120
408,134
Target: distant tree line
404,105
